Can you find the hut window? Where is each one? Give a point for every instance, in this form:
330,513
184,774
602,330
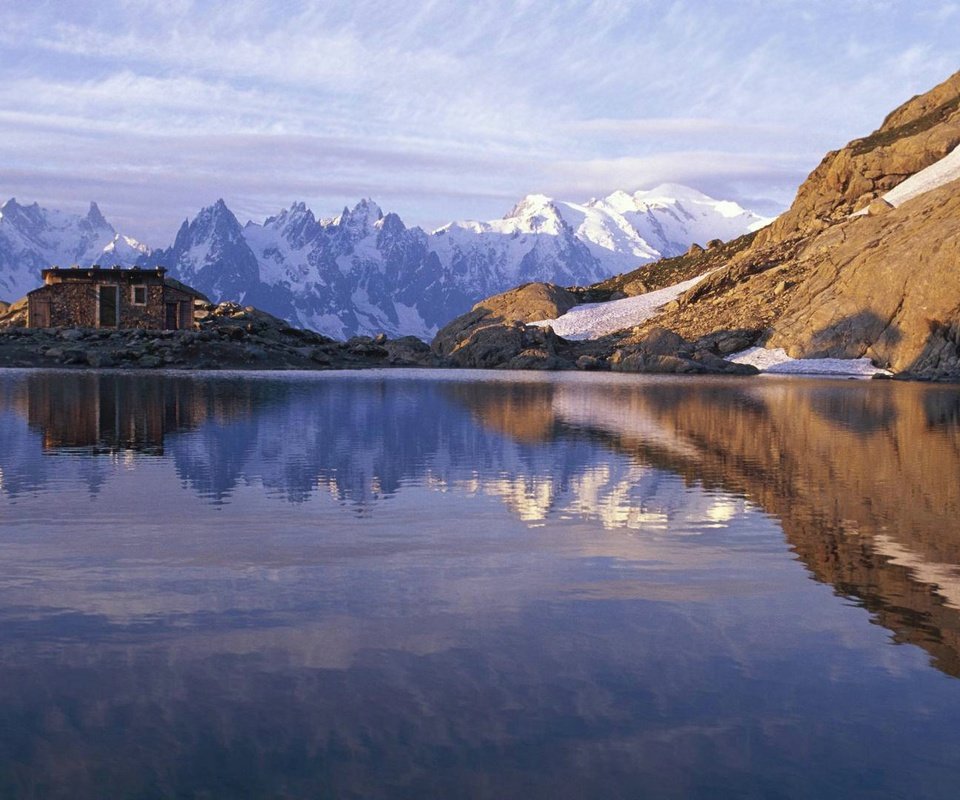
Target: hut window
139,295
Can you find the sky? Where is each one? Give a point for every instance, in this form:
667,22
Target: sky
442,110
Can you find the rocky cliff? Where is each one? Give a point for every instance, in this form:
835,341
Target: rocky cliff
846,273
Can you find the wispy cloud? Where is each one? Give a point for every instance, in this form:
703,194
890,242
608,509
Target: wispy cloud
443,109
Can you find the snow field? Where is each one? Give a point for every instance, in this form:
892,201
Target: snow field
593,320
938,174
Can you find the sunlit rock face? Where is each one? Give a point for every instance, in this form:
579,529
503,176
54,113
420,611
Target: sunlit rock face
859,265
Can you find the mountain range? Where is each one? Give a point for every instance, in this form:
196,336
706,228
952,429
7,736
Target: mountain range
364,271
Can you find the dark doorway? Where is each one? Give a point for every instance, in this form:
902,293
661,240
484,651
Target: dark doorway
108,307
40,314
170,322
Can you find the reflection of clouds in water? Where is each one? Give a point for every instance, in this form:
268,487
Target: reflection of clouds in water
605,451
591,596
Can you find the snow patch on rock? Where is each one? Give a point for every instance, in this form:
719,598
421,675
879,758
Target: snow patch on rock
938,174
775,361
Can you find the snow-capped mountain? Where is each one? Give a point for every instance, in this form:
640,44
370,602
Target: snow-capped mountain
211,254
620,231
32,238
364,271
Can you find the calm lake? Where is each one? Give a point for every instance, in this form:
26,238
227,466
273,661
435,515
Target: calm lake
454,585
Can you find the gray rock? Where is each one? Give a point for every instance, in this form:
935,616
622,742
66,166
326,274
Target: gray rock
587,362
663,342
99,360
255,353
74,356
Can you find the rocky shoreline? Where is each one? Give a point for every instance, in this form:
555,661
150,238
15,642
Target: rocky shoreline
233,337
228,337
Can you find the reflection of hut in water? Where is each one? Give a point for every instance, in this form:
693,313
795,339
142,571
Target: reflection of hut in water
111,298
99,414
106,414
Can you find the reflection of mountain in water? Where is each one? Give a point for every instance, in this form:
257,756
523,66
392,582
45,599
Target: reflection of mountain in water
861,476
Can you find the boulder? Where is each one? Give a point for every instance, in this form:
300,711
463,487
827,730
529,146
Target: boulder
660,341
725,342
408,351
634,288
528,303
15,315
497,345
588,362
879,206
99,360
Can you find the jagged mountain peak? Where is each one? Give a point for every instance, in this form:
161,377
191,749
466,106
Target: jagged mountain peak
33,237
363,215
296,214
390,224
95,218
18,214
216,220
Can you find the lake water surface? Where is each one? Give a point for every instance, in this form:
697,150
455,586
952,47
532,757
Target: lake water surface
456,585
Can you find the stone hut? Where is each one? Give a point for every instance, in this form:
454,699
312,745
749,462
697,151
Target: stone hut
98,297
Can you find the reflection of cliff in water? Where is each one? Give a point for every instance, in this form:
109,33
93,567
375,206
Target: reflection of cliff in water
863,476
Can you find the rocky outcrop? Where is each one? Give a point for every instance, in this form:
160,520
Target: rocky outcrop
495,335
886,287
663,351
13,315
915,135
493,332
527,303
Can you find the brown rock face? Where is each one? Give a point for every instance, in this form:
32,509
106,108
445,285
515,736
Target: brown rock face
820,282
885,287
